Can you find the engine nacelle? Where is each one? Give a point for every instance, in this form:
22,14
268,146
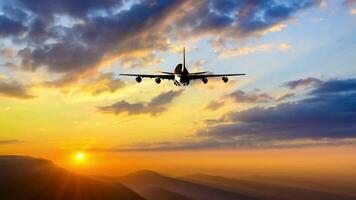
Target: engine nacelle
138,79
158,80
205,80
225,79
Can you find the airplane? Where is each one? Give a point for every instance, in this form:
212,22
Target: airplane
181,76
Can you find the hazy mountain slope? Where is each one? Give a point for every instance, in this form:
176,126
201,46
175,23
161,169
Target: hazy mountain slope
156,193
143,180
26,178
333,185
264,190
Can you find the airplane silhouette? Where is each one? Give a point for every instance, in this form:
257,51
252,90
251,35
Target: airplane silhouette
181,76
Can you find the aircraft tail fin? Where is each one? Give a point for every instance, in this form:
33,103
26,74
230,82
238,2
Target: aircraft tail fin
184,68
184,58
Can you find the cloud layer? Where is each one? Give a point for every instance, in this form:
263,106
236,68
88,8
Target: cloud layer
15,89
326,116
156,105
76,37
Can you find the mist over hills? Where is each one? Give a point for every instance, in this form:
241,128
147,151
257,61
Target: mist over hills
141,181
27,178
267,190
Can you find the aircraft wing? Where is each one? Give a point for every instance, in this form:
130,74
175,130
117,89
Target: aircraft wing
161,76
200,76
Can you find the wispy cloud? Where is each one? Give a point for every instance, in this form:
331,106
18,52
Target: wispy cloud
214,105
155,106
353,11
9,142
303,83
104,83
246,50
15,89
241,51
251,97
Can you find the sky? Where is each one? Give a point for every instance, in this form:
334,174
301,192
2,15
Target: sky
60,92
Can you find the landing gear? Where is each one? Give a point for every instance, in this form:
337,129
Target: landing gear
205,80
158,80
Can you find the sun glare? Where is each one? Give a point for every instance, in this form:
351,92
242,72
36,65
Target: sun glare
79,156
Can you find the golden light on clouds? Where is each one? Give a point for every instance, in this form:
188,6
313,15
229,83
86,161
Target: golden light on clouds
353,11
284,46
241,51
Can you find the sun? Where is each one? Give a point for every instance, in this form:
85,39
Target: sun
79,156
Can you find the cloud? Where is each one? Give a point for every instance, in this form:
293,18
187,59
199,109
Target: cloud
76,8
325,117
329,112
253,97
285,96
284,46
95,39
241,51
214,105
75,38
349,2
213,144
240,18
10,27
105,82
7,53
15,89
8,142
303,83
353,11
155,106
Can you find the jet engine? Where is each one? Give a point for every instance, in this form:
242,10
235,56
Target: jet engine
205,80
138,79
158,80
225,79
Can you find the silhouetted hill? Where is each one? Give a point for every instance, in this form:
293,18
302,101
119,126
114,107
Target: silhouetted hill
142,181
265,191
26,178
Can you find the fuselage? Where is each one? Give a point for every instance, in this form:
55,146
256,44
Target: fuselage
181,75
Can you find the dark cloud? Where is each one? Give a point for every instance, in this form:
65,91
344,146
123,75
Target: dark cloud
157,105
241,18
76,8
10,27
75,37
349,2
303,83
329,112
243,97
124,107
15,89
6,142
83,46
335,87
214,105
325,117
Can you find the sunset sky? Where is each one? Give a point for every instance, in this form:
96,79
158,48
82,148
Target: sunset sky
60,92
